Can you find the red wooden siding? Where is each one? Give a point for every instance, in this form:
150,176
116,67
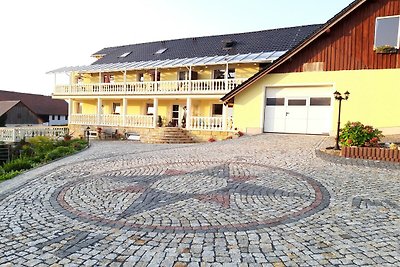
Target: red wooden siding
349,44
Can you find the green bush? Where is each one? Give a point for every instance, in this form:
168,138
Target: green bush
18,165
358,134
39,149
9,175
78,144
41,144
59,152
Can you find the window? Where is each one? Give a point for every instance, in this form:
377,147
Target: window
149,109
183,75
217,109
320,101
140,77
220,74
160,51
387,31
297,102
153,78
125,54
58,117
275,101
116,108
79,108
186,75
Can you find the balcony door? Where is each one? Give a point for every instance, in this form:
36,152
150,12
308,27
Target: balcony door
175,115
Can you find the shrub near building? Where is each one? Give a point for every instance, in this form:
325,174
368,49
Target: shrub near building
360,135
36,151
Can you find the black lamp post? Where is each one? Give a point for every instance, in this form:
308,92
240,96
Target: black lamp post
87,134
339,97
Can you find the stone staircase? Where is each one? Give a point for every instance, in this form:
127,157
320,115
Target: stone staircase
168,135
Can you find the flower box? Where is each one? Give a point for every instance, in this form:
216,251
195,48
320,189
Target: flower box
386,49
372,153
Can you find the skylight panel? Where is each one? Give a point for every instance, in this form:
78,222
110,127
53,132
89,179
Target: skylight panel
125,54
160,51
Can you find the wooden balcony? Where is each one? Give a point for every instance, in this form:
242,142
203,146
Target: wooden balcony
207,87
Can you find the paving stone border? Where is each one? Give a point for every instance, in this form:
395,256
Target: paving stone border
356,162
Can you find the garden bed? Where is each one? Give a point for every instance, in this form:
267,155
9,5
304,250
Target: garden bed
371,153
37,151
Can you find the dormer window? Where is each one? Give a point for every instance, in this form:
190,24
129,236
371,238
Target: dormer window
387,32
228,44
160,51
125,54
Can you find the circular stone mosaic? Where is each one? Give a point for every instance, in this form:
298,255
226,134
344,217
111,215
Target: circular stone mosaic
193,196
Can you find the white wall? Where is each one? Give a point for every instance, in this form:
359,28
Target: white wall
57,120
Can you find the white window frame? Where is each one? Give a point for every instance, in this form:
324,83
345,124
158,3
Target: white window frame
398,33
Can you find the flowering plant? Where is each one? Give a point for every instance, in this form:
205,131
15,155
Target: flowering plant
239,133
358,134
385,49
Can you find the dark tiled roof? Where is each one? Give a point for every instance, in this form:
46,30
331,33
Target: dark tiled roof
39,104
251,42
6,106
296,49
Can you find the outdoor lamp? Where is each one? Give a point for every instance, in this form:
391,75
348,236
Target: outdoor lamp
346,95
338,96
87,133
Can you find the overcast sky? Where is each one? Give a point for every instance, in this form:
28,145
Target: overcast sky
42,35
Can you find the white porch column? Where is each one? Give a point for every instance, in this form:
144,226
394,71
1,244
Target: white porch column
190,79
188,113
224,115
226,76
70,81
70,108
99,109
155,113
124,81
124,110
100,81
155,80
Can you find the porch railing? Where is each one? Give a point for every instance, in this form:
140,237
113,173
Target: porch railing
213,86
144,121
147,121
15,134
211,123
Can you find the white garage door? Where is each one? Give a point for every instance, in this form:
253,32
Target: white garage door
305,110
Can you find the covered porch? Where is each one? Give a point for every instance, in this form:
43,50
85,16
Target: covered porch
191,113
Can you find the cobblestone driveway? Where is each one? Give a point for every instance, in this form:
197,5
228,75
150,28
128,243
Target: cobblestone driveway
265,200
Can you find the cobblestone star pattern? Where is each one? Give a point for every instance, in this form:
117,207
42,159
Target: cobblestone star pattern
171,198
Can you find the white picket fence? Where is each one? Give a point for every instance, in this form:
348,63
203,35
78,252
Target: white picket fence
15,134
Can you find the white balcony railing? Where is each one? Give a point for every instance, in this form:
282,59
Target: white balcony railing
15,134
144,121
211,123
215,86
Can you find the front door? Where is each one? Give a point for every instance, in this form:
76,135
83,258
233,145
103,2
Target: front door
175,115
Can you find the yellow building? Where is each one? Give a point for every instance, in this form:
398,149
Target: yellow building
178,83
357,51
